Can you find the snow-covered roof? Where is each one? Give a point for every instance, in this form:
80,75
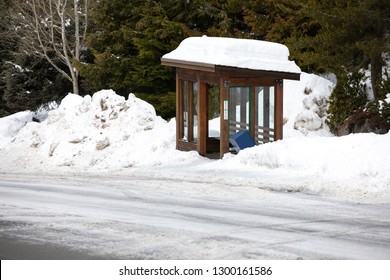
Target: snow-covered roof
232,52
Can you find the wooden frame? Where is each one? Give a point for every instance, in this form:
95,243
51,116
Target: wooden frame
225,77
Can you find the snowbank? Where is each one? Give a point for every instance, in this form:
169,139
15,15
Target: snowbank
305,103
98,132
10,126
352,157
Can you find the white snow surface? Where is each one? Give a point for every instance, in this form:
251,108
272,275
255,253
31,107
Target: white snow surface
109,134
242,53
10,126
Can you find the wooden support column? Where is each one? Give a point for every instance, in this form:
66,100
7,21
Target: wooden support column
224,120
279,110
253,111
190,111
202,118
179,109
266,110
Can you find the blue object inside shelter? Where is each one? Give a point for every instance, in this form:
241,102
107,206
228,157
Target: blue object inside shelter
242,140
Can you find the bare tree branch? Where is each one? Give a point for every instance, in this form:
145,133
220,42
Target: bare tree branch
54,30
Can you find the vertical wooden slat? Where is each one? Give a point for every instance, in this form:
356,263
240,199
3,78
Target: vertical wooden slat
207,96
253,110
224,124
266,117
279,110
203,119
179,109
190,111
232,100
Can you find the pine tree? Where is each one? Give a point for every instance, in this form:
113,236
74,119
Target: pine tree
7,45
27,82
30,82
348,96
352,36
112,47
158,32
283,21
130,37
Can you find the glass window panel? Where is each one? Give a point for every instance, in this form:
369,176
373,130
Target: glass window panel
195,104
213,110
239,109
185,109
265,114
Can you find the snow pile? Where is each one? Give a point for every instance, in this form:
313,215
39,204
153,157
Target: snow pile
10,126
102,131
357,156
305,103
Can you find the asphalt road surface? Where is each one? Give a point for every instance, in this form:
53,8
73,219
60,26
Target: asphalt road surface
135,217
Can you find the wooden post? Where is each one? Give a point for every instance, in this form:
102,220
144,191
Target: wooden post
266,117
224,123
279,110
253,111
202,119
179,110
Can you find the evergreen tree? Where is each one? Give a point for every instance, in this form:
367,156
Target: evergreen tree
217,18
284,21
30,82
352,36
27,81
131,37
157,33
348,96
7,45
112,47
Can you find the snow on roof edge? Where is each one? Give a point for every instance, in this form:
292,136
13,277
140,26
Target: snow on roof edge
233,52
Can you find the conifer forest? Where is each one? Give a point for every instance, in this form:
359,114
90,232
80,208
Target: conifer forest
49,48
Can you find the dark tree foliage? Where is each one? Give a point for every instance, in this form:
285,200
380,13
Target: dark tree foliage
27,82
30,83
157,32
132,36
112,47
353,36
348,96
7,45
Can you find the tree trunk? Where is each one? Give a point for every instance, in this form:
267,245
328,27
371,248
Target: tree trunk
75,82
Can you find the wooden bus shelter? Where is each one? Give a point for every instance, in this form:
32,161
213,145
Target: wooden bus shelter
226,85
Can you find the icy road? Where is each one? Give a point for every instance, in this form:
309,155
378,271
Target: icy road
141,217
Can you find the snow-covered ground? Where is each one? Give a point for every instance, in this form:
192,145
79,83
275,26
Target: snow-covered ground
107,133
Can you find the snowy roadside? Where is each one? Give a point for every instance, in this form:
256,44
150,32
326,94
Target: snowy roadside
108,135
